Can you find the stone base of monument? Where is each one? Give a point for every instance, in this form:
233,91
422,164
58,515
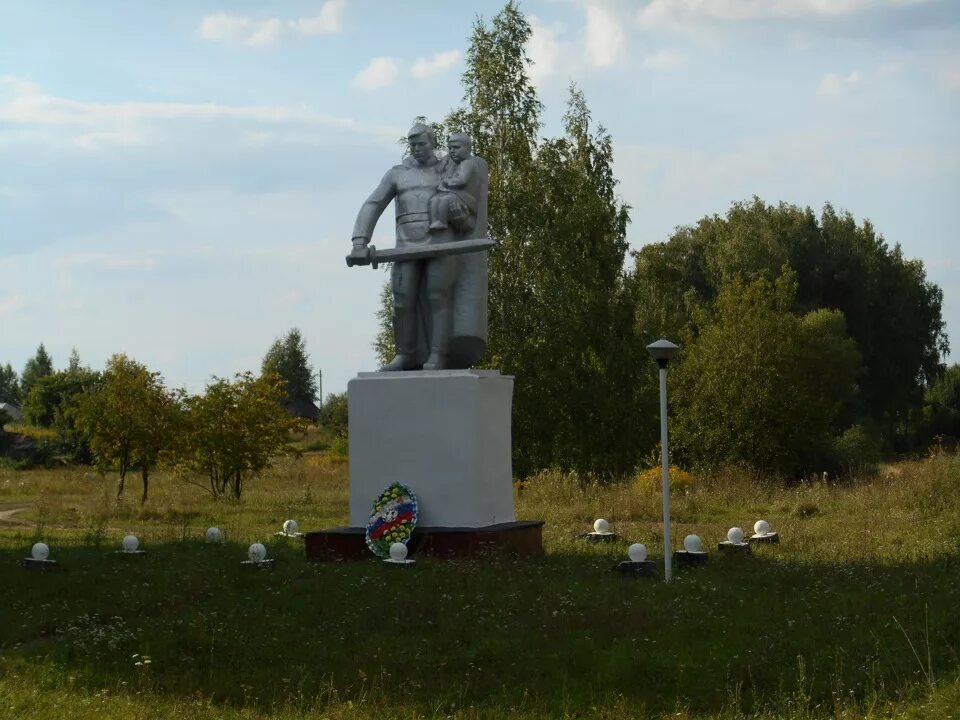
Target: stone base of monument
445,434
521,537
685,557
771,538
643,568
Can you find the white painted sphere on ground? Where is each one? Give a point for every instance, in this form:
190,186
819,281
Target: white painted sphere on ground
691,543
601,526
290,527
398,552
257,552
130,543
637,552
214,535
761,527
735,535
40,551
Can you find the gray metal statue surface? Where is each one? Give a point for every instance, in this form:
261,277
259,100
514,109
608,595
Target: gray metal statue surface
439,286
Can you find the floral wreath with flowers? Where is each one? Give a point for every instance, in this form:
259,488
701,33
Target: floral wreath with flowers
392,519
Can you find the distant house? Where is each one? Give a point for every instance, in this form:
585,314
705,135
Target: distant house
12,412
301,408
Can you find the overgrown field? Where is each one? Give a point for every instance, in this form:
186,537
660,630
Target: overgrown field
853,615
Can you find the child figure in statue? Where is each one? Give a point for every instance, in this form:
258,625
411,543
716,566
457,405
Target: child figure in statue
455,204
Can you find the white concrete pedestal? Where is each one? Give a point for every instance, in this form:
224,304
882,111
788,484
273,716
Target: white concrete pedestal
443,433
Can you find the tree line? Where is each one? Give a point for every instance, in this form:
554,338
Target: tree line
124,418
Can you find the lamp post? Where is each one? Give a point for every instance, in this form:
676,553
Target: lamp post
662,350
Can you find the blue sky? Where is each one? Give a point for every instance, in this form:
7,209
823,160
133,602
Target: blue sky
178,180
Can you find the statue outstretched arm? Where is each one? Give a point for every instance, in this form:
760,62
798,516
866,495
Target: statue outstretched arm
372,209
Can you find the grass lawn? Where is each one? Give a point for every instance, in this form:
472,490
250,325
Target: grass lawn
854,614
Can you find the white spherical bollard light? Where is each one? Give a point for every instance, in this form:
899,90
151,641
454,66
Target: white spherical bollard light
763,534
290,527
637,566
601,532
692,544
398,552
40,551
398,555
130,544
735,535
39,557
257,553
637,552
214,535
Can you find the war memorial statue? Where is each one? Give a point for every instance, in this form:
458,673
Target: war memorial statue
428,419
439,274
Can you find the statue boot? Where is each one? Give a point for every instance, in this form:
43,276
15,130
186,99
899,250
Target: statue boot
405,337
440,332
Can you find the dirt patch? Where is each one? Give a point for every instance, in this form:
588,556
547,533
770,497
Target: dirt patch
7,513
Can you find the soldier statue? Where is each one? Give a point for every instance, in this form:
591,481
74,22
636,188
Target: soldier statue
439,274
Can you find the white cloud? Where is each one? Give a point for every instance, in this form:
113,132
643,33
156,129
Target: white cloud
97,140
222,27
834,85
120,122
19,86
329,20
232,28
426,67
675,12
664,60
605,39
379,72
107,261
543,49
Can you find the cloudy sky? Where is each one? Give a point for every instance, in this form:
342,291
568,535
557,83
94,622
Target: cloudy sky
178,180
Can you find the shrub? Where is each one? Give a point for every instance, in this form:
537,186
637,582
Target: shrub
339,446
650,480
858,451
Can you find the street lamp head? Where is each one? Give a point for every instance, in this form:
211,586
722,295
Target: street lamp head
662,351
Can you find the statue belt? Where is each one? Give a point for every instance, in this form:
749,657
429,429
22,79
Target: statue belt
411,217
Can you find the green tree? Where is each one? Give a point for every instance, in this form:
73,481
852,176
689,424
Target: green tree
53,402
384,343
40,365
9,385
561,312
943,404
234,429
891,310
760,386
287,357
129,419
334,416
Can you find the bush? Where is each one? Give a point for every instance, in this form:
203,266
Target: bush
858,451
339,446
650,480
